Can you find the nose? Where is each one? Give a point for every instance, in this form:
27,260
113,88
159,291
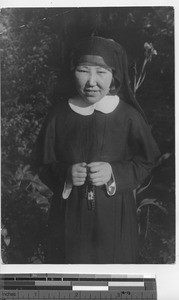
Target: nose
92,79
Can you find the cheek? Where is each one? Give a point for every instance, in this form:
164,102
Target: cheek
107,82
80,81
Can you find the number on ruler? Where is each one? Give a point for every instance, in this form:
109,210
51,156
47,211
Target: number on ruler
118,295
76,295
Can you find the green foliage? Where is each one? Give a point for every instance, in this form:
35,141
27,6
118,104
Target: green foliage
157,215
24,216
35,43
149,52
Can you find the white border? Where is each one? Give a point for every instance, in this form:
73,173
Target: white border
167,275
81,3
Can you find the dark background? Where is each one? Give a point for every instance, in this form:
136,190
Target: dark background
35,46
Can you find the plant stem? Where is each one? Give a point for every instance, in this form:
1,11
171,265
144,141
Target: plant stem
148,222
141,77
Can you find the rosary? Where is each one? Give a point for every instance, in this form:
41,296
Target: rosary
90,193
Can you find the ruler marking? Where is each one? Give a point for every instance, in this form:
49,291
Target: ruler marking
88,283
125,283
90,288
79,287
53,283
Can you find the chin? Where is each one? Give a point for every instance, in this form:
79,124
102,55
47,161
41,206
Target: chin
92,100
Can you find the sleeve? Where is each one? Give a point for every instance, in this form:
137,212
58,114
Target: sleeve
50,168
142,156
111,186
67,190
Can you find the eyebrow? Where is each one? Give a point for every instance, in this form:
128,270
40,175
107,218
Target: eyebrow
89,66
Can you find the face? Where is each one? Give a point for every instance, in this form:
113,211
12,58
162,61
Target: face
92,82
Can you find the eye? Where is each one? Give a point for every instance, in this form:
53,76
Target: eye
101,72
82,70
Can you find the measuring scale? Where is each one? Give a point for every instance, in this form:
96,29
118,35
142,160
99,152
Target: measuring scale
77,286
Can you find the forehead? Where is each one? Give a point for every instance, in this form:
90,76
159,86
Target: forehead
93,60
89,67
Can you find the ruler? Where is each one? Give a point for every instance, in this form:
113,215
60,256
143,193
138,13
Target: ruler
77,286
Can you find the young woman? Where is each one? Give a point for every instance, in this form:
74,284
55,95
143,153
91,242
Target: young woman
93,151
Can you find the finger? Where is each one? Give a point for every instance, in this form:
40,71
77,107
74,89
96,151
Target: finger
94,164
103,179
94,169
83,164
80,175
98,167
100,178
81,170
94,175
78,180
80,166
98,183
78,183
76,174
78,169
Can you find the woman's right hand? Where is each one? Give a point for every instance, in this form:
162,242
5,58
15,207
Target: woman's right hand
77,174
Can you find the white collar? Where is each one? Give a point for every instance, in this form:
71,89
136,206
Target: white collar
106,105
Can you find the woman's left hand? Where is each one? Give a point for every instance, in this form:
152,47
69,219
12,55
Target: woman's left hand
99,173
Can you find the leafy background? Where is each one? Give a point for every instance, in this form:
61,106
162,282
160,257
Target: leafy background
35,46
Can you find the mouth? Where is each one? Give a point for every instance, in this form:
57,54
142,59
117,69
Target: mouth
91,92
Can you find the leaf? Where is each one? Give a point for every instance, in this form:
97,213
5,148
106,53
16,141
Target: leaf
38,186
145,187
4,232
147,46
7,240
40,199
19,174
147,201
142,79
36,260
162,208
163,158
151,202
26,168
28,176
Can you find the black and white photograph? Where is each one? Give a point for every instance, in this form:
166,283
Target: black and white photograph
88,135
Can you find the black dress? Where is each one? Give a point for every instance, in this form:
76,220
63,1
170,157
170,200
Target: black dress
108,234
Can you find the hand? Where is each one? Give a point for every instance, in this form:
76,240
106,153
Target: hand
77,174
99,173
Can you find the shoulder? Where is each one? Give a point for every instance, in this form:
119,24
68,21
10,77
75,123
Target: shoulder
57,111
56,116
130,114
128,110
